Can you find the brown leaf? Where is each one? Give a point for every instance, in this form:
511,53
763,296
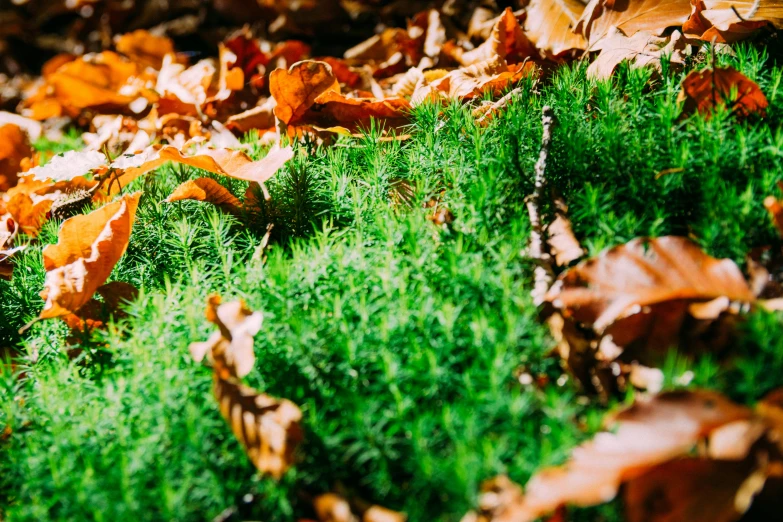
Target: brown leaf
331,507
296,89
717,19
630,17
209,190
144,48
488,77
550,25
642,50
696,490
775,209
651,432
232,346
14,147
635,301
226,162
268,428
563,245
703,90
333,109
88,248
94,314
500,500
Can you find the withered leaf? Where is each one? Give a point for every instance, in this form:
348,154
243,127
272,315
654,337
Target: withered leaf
94,313
209,190
14,147
651,432
268,428
550,25
489,77
88,248
631,16
642,49
296,89
144,48
69,165
226,162
726,21
702,91
331,507
334,109
232,346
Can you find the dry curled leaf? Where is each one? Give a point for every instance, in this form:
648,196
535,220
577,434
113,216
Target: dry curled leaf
491,77
88,248
296,89
231,347
268,428
14,147
635,301
94,314
226,162
209,190
726,21
630,17
331,507
69,165
144,48
332,109
550,25
641,50
702,91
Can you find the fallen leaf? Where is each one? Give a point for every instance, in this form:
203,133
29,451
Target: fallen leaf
775,209
296,89
562,242
718,20
231,347
550,25
88,248
635,301
702,91
14,147
630,17
209,190
652,431
491,77
94,314
332,109
331,507
642,50
69,165
268,428
226,162
144,48
33,128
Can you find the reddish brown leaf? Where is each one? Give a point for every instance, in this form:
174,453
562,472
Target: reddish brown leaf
726,21
14,147
296,89
209,190
631,16
702,91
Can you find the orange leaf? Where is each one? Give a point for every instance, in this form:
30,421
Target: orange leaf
550,25
14,147
226,162
296,89
703,90
334,109
206,189
144,48
88,248
642,49
717,19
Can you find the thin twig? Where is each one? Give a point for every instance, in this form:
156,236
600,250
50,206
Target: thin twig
543,272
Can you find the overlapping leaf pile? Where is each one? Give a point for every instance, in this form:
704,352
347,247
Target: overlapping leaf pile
614,317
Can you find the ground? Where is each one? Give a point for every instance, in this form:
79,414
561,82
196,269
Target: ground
402,340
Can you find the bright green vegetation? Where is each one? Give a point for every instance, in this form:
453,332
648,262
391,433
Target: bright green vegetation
400,340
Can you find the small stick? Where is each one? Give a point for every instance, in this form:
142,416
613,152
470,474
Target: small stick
543,273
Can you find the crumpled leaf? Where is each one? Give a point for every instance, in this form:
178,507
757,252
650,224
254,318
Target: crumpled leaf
642,49
88,248
69,165
332,109
630,17
703,90
500,500
94,314
635,301
506,42
331,507
489,77
550,25
144,48
717,19
296,89
268,428
226,162
651,431
231,347
14,147
209,190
